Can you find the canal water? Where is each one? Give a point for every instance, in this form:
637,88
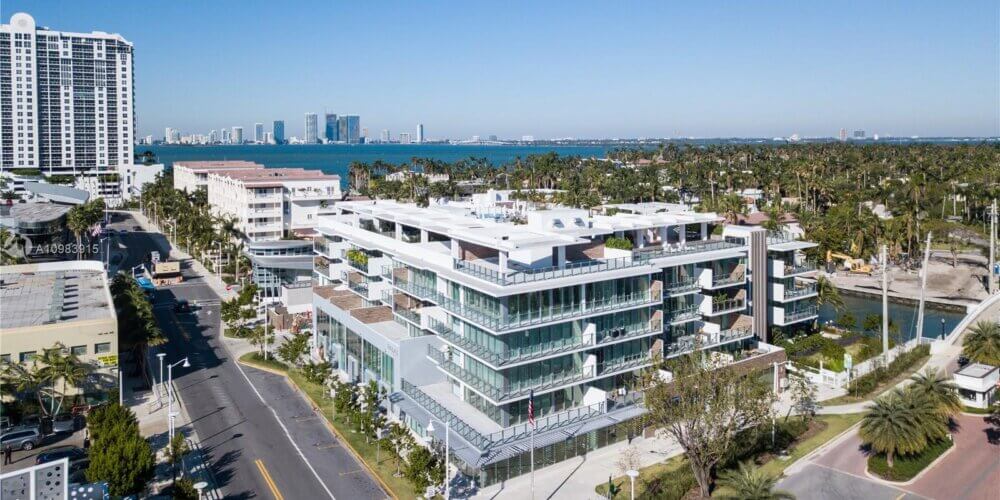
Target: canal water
938,318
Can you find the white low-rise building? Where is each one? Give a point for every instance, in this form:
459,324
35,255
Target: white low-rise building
192,175
977,385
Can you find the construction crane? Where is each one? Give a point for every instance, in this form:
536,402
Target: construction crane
850,264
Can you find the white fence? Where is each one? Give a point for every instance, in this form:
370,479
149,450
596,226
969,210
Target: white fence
840,379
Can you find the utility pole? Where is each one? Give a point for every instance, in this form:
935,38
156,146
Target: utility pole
993,248
924,271
885,301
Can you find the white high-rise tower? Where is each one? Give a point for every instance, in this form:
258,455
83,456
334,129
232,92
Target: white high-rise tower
53,79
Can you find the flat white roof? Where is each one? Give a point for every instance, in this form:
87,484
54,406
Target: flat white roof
976,370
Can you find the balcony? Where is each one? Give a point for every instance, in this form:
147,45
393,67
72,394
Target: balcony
687,248
408,314
787,293
529,275
555,313
624,364
681,287
713,307
321,266
722,277
683,315
516,355
510,391
784,317
418,291
788,269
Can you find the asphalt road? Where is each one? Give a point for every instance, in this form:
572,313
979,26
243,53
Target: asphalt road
257,431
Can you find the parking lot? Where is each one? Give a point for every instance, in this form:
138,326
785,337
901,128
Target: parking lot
22,459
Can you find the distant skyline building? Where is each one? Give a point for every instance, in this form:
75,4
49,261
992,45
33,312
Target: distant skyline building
843,134
350,128
404,138
528,138
493,138
332,130
258,132
237,136
68,104
364,134
385,135
859,134
278,131
213,137
225,136
311,128
420,132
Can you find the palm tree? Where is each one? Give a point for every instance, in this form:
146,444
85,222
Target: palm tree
982,343
942,392
26,380
749,483
76,221
896,423
828,293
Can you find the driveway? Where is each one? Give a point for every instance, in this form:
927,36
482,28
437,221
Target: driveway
969,471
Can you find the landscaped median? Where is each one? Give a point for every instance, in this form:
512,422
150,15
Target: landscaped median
906,467
672,479
383,470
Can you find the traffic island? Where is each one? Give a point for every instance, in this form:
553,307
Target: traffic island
907,467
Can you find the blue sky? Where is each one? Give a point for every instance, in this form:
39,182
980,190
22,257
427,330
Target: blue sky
558,69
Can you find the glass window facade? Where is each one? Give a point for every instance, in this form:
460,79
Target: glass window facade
337,344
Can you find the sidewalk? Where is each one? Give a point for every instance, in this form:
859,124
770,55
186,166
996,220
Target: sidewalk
576,478
150,408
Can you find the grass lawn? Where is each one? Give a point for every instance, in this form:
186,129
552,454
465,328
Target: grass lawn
976,411
882,387
385,467
834,425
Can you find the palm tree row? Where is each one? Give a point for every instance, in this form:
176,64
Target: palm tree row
982,343
188,219
824,185
907,420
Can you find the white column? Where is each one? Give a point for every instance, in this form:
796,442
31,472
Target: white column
561,256
399,231
503,262
663,236
640,238
456,249
704,230
682,233
423,236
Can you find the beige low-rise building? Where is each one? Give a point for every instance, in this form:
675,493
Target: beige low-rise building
68,303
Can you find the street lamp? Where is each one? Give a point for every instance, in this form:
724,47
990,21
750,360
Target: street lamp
170,390
632,474
159,389
942,328
447,442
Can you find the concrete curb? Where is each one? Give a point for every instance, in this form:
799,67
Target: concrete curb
913,479
347,445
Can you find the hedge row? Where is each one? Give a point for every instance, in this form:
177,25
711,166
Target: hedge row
866,384
906,467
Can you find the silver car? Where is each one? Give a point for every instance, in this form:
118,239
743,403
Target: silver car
23,439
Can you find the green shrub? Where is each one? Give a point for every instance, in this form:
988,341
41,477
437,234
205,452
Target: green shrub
867,383
666,487
618,243
906,467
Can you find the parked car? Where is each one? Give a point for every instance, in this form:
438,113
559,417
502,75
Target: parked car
78,471
43,424
65,422
59,452
21,438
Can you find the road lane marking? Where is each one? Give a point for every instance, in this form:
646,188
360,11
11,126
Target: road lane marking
285,429
268,480
351,472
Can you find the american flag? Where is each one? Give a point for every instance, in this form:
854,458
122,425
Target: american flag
531,408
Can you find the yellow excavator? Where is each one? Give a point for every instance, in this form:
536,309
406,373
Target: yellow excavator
852,265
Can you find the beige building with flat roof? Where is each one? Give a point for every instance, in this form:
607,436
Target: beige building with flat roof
65,302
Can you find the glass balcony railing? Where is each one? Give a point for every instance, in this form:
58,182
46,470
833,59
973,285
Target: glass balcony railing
799,268
509,390
626,363
689,247
797,314
408,314
728,279
386,272
682,286
800,290
554,313
416,290
728,305
358,286
528,275
685,314
517,432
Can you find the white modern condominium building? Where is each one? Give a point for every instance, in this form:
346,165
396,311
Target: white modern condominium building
67,104
193,175
462,315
